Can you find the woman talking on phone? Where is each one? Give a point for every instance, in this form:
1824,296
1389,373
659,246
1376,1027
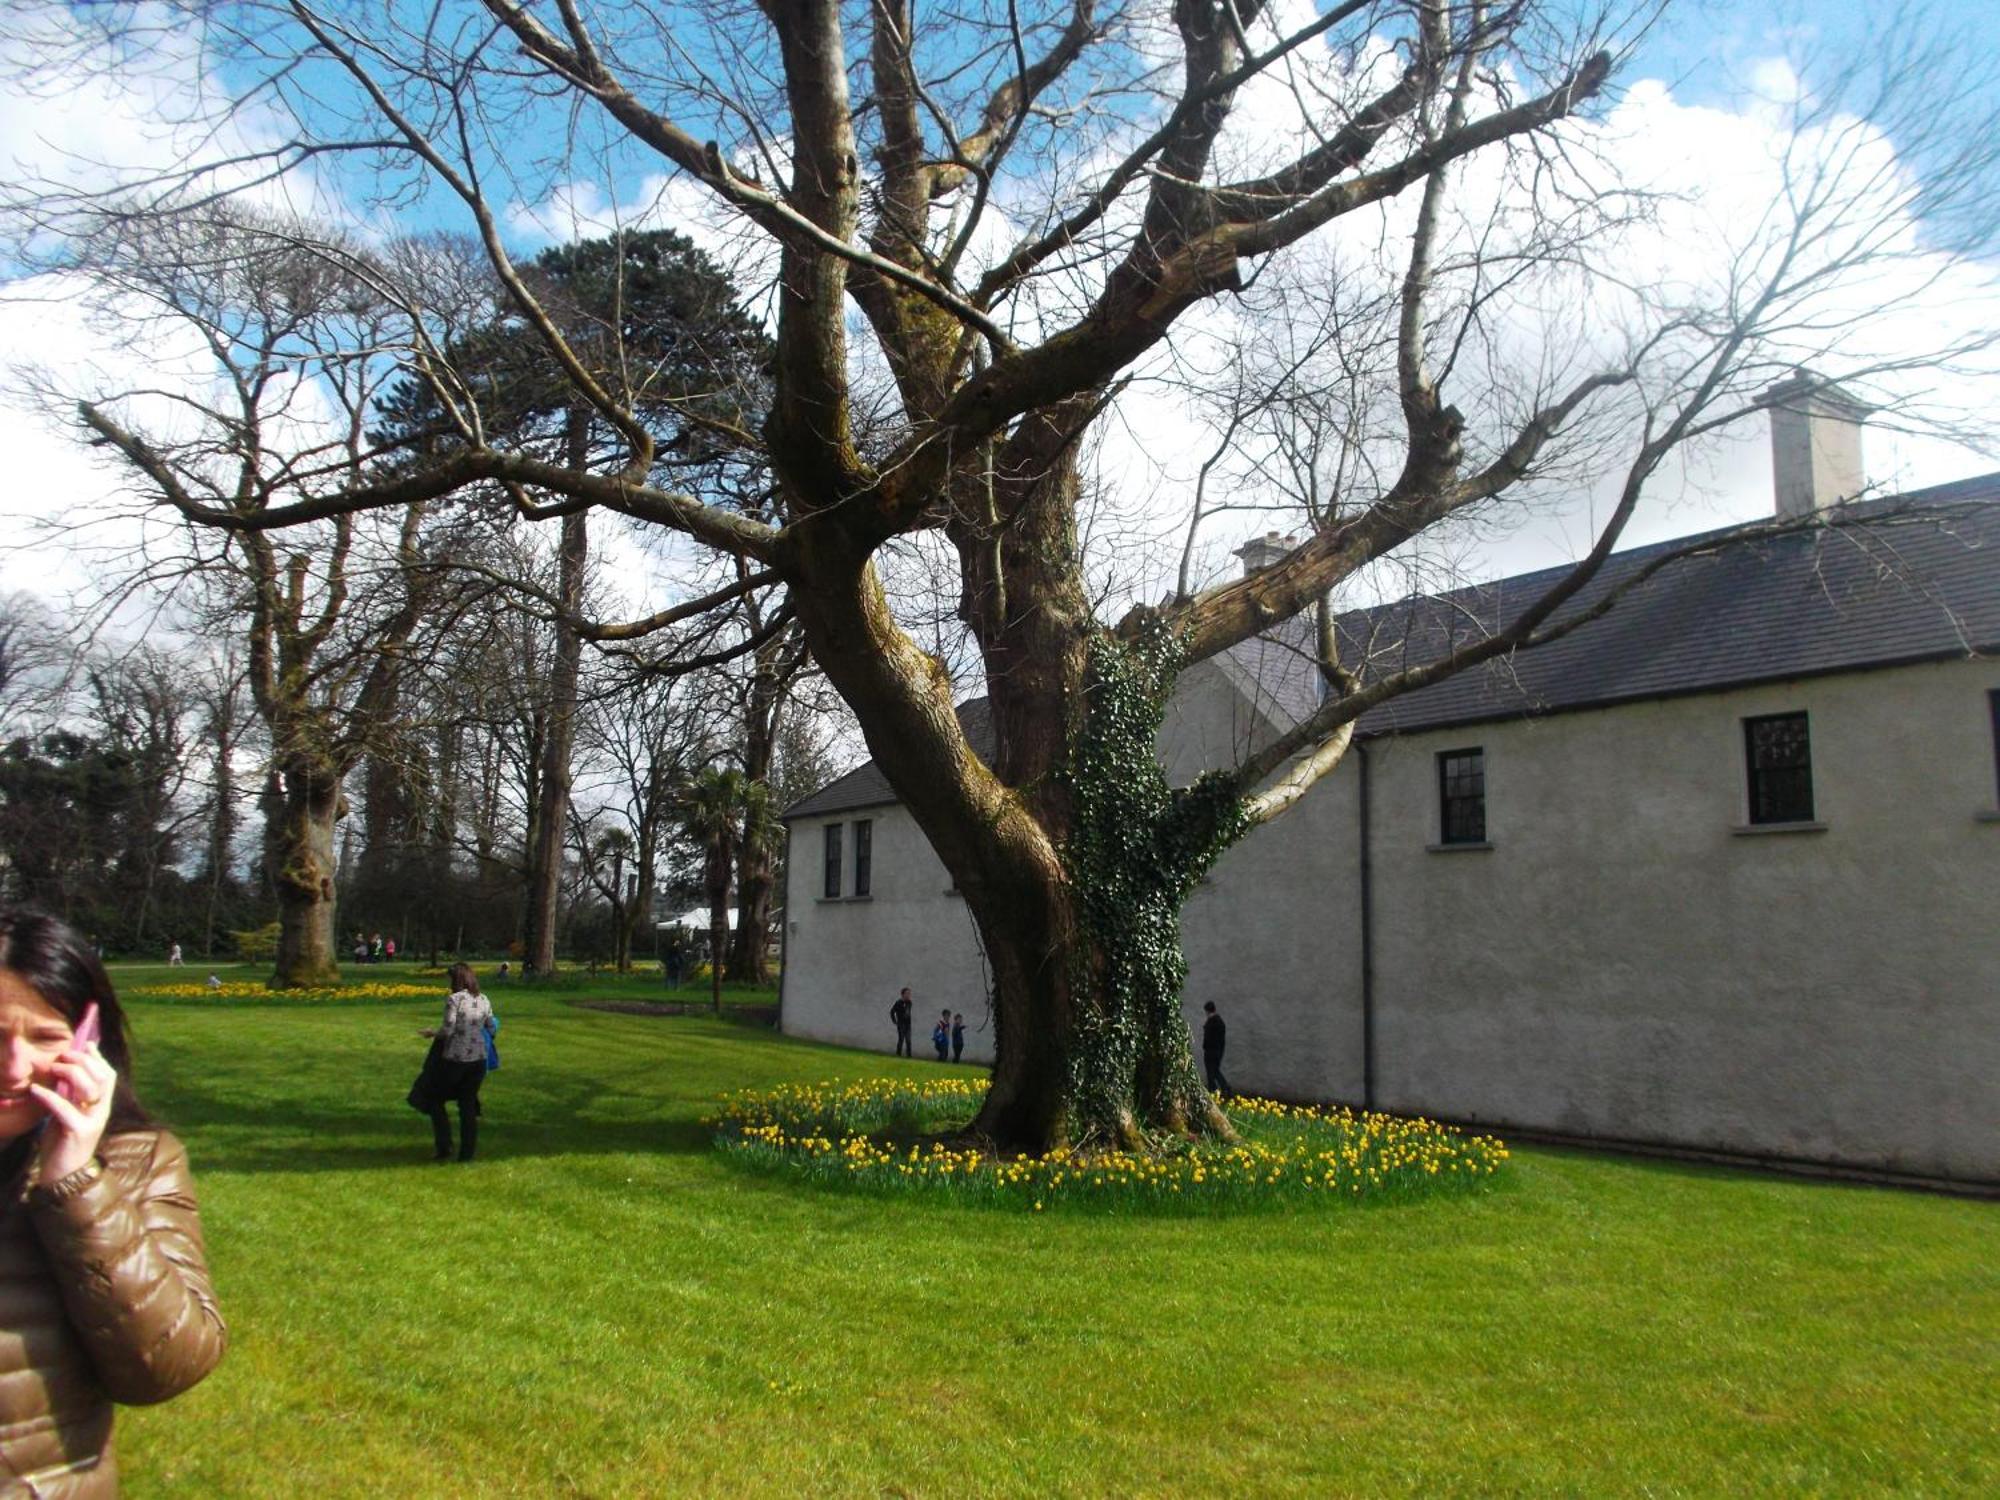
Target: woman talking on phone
104,1291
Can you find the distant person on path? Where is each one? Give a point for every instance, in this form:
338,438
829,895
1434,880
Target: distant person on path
957,1035
1214,1036
504,971
900,1014
375,949
941,1036
677,959
458,1064
360,948
174,956
389,950
104,1285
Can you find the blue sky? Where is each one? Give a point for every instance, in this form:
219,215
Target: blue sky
1707,53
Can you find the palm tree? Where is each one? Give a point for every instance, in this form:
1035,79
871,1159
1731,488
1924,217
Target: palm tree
714,809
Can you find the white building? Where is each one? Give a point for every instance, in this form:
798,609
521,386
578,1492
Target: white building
1719,871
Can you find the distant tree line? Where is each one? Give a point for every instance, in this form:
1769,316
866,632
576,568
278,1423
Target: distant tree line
440,743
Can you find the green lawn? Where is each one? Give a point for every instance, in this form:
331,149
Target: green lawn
601,1306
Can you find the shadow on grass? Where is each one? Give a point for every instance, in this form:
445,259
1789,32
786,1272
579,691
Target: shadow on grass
229,1135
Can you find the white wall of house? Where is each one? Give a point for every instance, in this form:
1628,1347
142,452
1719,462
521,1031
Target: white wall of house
1623,962
846,959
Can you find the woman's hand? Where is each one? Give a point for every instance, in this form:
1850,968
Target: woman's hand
74,1128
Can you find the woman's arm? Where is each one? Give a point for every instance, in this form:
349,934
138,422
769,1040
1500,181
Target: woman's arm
127,1255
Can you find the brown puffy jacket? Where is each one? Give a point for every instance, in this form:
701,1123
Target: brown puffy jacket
103,1297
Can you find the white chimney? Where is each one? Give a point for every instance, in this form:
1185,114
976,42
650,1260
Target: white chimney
1815,444
1260,552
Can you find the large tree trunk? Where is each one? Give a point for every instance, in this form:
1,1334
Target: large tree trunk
749,946
552,816
749,955
1086,960
715,875
1071,852
221,811
641,907
300,857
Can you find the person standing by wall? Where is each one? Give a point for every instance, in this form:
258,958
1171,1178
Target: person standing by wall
104,1286
957,1035
459,1066
941,1036
1214,1036
900,1014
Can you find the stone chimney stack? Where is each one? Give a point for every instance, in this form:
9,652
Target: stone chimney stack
1260,552
1815,444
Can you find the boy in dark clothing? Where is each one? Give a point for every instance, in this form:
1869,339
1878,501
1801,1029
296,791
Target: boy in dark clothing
900,1014
957,1035
1214,1034
941,1036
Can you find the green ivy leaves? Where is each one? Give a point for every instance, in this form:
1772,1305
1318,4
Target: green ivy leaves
1136,849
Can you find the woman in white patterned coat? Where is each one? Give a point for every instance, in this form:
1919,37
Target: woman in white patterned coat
458,1064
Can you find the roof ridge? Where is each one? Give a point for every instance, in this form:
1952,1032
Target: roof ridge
1982,489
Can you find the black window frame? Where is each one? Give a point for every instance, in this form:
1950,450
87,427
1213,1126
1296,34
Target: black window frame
864,855
1993,708
1777,791
1461,808
830,859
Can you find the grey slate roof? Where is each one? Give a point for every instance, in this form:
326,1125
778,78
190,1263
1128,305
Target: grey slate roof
866,786
1911,578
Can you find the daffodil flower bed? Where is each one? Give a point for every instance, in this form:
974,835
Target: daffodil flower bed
240,989
882,1134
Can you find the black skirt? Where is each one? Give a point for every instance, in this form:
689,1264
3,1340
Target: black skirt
443,1080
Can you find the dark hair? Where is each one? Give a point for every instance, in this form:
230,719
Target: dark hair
462,978
1209,1006
54,960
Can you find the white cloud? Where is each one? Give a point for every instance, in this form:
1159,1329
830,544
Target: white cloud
61,511
1724,182
1719,167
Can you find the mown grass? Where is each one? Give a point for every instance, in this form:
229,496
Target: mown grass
603,1306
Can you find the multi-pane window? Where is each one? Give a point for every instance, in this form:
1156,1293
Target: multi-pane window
1462,796
1778,751
864,854
832,887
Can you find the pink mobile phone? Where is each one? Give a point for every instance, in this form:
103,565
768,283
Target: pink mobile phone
86,1033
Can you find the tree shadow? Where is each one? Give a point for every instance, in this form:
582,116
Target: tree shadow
229,1134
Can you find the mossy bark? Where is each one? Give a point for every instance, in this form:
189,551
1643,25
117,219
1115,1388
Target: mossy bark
300,850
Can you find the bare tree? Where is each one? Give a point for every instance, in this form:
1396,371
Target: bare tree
219,690
35,658
141,707
764,696
981,228
328,621
644,740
